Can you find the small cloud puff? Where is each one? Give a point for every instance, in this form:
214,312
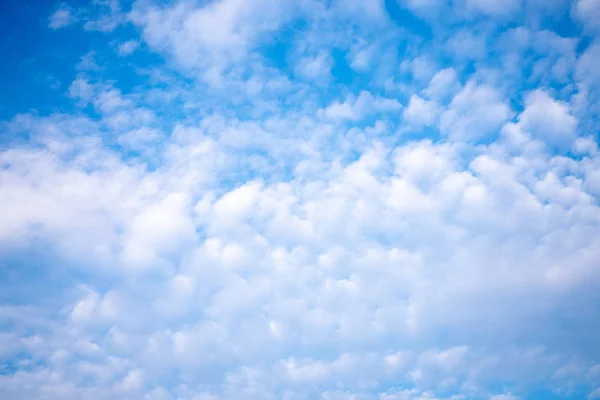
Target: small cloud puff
62,17
127,48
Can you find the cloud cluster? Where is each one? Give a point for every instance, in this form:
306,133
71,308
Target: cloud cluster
291,204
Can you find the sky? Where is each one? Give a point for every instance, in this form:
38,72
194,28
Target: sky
300,199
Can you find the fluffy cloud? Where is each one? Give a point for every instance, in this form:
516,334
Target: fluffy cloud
477,111
128,47
266,201
315,68
548,118
210,37
587,11
61,18
420,111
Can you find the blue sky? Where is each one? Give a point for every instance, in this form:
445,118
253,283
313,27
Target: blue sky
300,199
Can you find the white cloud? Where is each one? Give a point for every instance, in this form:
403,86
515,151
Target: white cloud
443,84
128,47
264,237
588,12
105,16
88,62
82,90
139,139
61,18
548,119
240,282
462,9
356,108
423,8
422,68
423,162
374,10
159,230
504,397
210,37
421,112
109,101
586,65
317,68
361,56
133,380
494,8
467,45
476,112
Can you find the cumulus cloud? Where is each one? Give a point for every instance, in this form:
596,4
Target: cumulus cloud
315,68
210,37
587,11
278,200
420,111
62,17
548,118
477,111
443,84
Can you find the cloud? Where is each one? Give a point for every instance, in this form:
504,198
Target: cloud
361,56
292,200
104,16
443,83
462,9
159,230
494,8
476,112
61,18
588,12
315,68
356,108
88,62
467,45
420,111
82,90
585,65
548,119
423,8
213,36
422,67
504,397
128,47
100,15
